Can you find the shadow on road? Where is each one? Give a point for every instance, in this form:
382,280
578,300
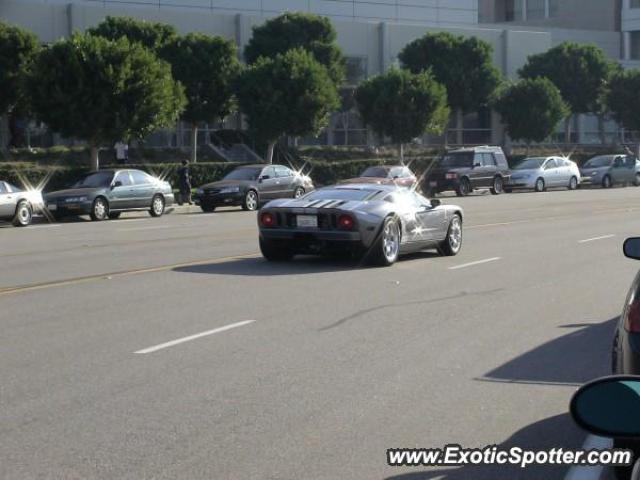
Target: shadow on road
572,359
300,265
557,431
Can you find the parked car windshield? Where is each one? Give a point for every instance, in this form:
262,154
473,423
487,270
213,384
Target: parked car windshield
600,161
244,173
340,194
456,160
377,172
94,180
530,163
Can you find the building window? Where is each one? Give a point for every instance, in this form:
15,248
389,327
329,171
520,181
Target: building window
535,9
635,45
635,4
512,10
554,7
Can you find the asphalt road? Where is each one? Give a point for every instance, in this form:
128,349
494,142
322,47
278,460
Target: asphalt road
324,364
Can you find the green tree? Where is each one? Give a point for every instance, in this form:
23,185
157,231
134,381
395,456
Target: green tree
403,105
101,91
207,67
531,109
289,94
298,30
151,35
623,100
463,65
580,72
18,48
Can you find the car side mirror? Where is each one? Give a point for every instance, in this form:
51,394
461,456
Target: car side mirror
396,177
265,177
631,248
435,202
116,184
475,165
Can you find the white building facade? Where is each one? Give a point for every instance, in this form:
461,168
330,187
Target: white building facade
371,34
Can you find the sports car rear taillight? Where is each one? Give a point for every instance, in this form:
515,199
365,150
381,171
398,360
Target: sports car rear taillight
267,219
632,322
346,222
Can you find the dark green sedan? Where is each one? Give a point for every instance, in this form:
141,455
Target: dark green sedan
107,193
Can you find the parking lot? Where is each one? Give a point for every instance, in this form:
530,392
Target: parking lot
167,347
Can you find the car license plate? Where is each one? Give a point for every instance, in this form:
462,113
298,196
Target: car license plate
433,184
308,221
52,207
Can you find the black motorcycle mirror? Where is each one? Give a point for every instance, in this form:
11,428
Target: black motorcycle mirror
631,248
610,407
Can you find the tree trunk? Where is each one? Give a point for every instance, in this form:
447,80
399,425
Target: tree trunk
567,130
272,146
459,126
601,133
194,143
95,161
401,153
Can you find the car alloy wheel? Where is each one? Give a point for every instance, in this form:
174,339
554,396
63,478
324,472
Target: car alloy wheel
540,185
391,241
573,183
455,235
298,192
498,186
464,188
23,215
157,206
637,180
251,200
606,181
100,210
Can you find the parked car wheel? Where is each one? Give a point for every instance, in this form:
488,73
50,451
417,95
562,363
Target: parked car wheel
114,215
498,186
99,209
387,247
573,183
250,201
539,187
606,182
298,192
157,206
453,242
464,188
637,180
23,215
207,207
273,252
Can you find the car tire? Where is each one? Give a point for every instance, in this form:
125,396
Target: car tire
637,180
273,252
386,249
298,192
453,241
606,182
464,187
251,201
157,206
23,215
208,208
99,209
539,186
114,215
573,183
498,186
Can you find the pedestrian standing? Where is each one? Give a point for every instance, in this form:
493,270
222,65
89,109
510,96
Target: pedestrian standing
184,180
122,153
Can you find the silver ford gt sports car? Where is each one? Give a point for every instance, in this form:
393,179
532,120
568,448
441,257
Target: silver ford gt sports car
380,222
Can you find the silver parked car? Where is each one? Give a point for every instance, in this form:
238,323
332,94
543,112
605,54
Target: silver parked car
609,170
540,173
380,222
17,205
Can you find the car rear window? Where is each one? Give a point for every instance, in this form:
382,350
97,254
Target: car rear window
456,160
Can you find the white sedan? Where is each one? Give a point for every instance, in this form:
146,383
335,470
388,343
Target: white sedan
540,173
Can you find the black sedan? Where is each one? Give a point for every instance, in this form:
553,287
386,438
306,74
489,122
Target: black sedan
107,193
251,185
